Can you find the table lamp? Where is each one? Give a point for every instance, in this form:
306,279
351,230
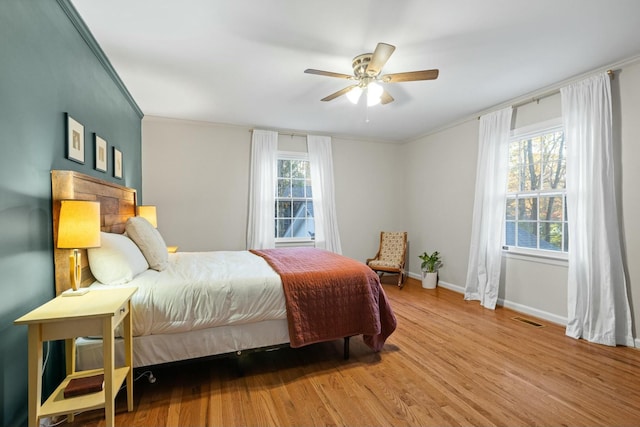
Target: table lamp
148,212
78,228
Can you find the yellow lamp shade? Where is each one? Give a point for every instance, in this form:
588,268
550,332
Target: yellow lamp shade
148,212
79,224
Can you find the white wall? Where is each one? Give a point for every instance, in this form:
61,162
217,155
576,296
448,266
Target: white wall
369,193
440,184
198,175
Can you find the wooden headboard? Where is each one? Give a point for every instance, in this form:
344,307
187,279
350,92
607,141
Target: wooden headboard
117,204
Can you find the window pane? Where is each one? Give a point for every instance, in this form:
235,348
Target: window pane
299,168
511,209
284,187
527,235
510,233
299,209
554,175
550,208
528,208
530,176
513,180
310,209
283,228
308,188
302,227
530,163
284,168
311,231
283,209
551,236
297,189
515,153
533,149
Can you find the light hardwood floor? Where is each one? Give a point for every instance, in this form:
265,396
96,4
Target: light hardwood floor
449,363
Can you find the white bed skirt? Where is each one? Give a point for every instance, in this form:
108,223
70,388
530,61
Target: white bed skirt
156,349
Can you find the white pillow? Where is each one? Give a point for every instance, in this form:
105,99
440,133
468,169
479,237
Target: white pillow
149,241
118,260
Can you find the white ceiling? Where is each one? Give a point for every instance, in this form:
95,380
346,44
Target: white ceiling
241,62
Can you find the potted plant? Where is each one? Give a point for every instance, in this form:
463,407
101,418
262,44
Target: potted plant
430,265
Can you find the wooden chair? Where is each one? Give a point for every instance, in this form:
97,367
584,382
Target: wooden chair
391,255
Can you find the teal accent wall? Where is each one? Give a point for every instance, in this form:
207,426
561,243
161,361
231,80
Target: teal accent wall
50,65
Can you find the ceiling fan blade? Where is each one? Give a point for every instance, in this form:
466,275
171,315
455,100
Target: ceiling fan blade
338,93
328,74
386,98
380,57
410,76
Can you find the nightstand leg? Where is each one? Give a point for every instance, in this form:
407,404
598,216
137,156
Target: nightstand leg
35,372
70,357
128,356
108,354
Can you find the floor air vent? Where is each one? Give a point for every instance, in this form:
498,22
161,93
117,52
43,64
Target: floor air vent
528,321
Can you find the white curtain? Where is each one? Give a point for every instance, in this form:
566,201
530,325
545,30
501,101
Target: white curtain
264,161
324,206
598,306
485,251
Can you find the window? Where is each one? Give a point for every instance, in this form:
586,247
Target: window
294,204
536,214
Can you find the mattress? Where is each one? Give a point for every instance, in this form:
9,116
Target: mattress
201,290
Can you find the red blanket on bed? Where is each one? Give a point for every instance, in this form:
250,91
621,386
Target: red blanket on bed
329,296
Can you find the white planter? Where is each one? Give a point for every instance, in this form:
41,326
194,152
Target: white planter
429,280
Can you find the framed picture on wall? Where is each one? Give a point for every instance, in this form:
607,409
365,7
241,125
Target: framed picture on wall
101,154
75,140
117,163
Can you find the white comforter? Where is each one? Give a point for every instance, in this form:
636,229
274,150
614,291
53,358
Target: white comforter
205,289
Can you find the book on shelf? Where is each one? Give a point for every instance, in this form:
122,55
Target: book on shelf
84,385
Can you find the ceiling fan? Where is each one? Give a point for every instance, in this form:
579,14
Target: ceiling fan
366,71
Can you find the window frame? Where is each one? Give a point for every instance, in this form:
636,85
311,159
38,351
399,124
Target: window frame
283,241
519,134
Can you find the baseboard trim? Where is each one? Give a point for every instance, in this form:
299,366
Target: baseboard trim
521,308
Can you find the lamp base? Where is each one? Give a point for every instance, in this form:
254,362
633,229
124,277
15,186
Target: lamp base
72,293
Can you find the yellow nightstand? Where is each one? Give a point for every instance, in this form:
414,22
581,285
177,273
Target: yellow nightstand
172,249
98,312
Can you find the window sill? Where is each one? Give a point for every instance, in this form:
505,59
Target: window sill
295,243
537,256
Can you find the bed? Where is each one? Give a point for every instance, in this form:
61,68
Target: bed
215,303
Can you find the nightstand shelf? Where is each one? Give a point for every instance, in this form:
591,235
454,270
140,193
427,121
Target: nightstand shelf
98,312
57,404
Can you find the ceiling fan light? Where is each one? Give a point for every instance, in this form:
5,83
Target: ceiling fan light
354,94
374,94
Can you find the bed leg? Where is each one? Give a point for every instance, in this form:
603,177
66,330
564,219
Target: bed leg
346,348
